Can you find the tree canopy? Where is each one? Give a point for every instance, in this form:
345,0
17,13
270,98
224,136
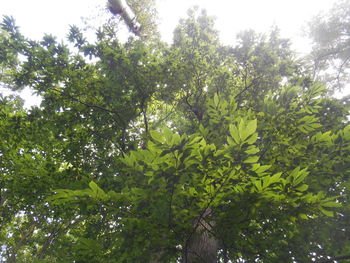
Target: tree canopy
190,152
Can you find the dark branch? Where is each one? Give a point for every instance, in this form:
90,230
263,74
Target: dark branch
91,105
247,87
145,120
334,258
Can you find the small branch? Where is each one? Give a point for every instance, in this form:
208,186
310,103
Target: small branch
334,258
163,119
24,238
145,120
54,235
247,87
225,256
90,105
194,110
167,115
340,70
170,218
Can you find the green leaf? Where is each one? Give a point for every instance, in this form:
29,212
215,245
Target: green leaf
234,133
252,159
216,99
300,176
97,191
249,129
326,212
331,204
195,140
252,150
258,185
168,134
255,167
266,181
302,188
262,169
156,135
241,127
252,139
275,178
192,191
295,172
303,216
230,141
94,187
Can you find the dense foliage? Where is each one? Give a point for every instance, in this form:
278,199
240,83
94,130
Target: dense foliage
148,152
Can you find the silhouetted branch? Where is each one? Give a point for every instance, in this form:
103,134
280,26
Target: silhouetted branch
334,258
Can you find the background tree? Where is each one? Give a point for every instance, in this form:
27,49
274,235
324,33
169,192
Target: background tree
330,54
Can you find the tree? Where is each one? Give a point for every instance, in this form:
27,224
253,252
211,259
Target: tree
193,152
329,33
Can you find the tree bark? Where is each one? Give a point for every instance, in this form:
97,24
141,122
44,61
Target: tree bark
202,246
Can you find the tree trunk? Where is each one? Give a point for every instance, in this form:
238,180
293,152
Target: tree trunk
121,7
202,246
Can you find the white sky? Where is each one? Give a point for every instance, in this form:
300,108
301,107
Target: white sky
36,17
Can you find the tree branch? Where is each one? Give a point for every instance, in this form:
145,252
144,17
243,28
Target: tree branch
334,258
145,120
247,87
90,105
